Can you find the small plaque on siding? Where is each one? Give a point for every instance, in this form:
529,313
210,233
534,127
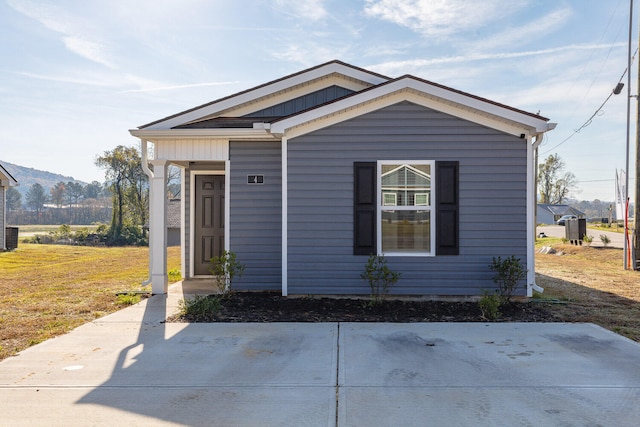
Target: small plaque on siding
255,179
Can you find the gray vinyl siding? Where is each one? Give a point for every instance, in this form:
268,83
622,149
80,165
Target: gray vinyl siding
304,102
256,214
492,192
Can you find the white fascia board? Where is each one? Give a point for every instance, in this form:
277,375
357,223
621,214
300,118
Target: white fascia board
263,91
421,93
6,176
539,125
235,134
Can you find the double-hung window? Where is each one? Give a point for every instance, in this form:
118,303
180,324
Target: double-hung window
406,218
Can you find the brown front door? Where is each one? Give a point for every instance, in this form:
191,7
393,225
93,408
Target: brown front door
209,221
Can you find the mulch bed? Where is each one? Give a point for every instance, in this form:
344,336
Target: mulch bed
272,307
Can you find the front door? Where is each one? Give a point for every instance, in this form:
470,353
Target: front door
209,221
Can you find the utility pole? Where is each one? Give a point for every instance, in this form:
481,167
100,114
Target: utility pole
636,233
625,202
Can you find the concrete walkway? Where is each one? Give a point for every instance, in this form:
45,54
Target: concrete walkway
131,368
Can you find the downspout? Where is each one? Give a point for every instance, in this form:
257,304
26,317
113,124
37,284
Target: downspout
534,286
145,168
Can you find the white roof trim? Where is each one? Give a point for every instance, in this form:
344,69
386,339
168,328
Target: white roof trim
421,93
215,133
5,175
266,90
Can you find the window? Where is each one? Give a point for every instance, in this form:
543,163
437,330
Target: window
406,222
435,200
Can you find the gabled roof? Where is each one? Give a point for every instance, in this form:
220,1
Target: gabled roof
5,175
284,84
367,91
560,209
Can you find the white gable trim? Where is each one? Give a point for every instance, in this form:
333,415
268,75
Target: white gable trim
291,93
418,92
6,180
282,85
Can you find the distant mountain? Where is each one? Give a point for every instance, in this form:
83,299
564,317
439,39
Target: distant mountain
26,177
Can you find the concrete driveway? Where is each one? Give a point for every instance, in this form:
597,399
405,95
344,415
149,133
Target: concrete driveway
131,368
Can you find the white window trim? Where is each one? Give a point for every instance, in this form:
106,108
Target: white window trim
430,208
426,195
395,199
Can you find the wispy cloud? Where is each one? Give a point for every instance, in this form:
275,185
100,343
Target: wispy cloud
75,35
187,86
312,53
400,67
313,10
68,79
524,33
441,17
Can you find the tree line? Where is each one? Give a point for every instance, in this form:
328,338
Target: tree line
126,189
122,200
64,203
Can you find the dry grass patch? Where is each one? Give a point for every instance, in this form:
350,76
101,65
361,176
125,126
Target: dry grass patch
47,290
591,286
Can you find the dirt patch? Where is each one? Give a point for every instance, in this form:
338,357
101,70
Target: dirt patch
590,285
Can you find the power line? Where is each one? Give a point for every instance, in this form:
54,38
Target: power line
598,112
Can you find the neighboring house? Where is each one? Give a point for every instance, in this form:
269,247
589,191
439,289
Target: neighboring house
549,214
6,180
305,176
173,222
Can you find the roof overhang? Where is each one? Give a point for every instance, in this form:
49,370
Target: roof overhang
6,180
232,134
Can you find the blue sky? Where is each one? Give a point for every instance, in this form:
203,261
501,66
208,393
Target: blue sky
76,75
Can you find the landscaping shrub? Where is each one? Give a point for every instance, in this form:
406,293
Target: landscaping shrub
379,277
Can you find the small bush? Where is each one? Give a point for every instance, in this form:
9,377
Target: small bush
509,272
379,277
199,307
605,240
587,240
225,268
490,305
175,274
128,299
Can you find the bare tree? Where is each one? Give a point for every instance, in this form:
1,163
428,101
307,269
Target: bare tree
554,184
129,187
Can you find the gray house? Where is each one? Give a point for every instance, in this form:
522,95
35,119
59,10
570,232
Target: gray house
305,176
549,214
6,180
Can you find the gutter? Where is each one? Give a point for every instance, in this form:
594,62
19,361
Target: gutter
539,136
145,168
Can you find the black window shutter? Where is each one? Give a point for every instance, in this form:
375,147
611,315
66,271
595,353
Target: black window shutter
364,208
447,206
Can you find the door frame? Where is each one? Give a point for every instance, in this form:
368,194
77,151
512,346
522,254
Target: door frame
192,213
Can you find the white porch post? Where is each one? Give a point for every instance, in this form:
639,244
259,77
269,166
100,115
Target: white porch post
158,227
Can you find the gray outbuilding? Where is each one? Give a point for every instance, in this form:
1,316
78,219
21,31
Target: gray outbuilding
6,181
